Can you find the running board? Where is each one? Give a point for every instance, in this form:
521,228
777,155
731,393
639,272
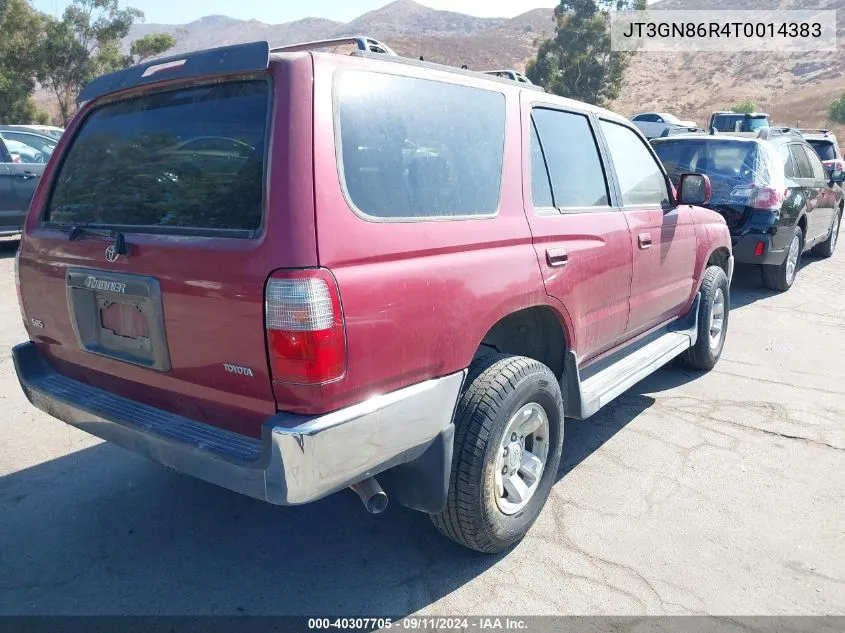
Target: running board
589,389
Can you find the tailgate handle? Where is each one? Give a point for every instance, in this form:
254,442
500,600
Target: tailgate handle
557,257
645,240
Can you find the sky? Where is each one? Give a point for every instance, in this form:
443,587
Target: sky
278,11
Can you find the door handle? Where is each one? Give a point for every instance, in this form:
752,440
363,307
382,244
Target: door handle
557,257
644,240
26,175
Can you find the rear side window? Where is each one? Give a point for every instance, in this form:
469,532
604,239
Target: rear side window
572,157
415,148
802,165
640,177
541,186
187,160
788,162
5,157
824,149
815,164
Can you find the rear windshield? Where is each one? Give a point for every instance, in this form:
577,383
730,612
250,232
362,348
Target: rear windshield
824,149
189,159
414,148
730,161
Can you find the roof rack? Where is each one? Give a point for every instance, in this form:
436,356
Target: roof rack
369,45
814,131
364,43
513,75
250,58
766,133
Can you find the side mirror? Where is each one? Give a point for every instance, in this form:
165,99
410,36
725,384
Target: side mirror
837,175
693,189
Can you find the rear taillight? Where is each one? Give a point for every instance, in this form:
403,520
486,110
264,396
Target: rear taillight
303,320
760,197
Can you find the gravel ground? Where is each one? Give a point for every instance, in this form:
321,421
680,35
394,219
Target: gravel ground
714,494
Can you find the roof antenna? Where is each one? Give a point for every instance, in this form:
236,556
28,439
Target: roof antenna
421,58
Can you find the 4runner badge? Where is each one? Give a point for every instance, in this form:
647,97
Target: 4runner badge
100,284
237,369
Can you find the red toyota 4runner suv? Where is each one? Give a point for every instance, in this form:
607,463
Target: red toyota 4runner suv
290,272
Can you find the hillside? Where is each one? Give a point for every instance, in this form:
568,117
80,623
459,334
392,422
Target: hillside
794,89
410,28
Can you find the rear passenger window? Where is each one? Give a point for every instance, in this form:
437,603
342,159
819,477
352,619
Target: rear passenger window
572,157
640,177
414,148
815,163
803,169
788,163
541,187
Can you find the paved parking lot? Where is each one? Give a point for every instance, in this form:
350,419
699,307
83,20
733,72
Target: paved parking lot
719,494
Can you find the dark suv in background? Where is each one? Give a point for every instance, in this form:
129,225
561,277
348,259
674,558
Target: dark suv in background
827,147
772,190
738,122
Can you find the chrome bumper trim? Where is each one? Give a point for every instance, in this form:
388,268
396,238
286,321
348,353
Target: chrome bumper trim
299,458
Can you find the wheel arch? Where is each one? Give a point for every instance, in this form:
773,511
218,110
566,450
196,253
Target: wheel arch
538,332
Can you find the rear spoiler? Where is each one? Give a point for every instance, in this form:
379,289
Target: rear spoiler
240,58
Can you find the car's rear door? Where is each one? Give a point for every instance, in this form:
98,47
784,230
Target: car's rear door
177,320
15,179
824,197
811,192
582,241
663,236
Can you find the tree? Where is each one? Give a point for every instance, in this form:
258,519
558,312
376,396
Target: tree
578,62
836,113
22,30
746,107
151,45
85,43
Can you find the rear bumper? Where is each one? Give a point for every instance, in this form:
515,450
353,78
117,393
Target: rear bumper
297,460
744,249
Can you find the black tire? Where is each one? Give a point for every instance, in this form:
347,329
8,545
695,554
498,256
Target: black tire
777,277
826,248
704,354
497,387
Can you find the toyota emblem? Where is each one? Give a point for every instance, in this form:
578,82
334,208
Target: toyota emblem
112,254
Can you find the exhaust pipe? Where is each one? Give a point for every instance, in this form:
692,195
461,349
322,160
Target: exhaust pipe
372,495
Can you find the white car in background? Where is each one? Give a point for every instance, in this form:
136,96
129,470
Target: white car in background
44,130
653,124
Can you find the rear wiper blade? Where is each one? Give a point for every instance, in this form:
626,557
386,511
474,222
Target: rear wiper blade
78,230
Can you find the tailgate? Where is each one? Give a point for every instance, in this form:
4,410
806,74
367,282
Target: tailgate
145,275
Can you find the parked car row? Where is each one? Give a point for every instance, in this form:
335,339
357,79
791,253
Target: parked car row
341,289
24,153
659,124
772,189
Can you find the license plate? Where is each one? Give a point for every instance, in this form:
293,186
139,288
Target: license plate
120,316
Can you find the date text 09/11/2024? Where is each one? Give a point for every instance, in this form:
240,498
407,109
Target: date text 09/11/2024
420,623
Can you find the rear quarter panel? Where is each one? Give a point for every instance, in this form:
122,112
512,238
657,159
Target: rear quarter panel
711,234
418,297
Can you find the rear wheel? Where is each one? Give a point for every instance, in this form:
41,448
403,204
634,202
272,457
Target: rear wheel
713,313
508,442
783,276
826,248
